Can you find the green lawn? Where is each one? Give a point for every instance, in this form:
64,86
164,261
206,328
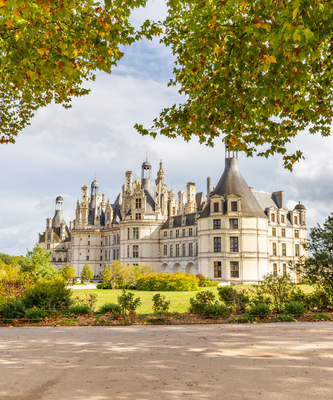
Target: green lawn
179,300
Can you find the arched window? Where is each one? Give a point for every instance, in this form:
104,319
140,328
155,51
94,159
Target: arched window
59,259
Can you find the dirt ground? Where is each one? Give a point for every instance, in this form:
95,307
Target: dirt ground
286,361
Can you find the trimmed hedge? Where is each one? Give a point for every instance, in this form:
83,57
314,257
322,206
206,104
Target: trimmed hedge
179,282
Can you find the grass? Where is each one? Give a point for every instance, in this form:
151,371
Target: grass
180,301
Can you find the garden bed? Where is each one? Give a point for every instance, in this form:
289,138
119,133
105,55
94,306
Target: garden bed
169,319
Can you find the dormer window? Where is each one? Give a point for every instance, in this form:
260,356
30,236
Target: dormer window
171,223
273,217
183,221
282,219
216,207
234,206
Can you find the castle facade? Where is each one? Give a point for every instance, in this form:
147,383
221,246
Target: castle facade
231,234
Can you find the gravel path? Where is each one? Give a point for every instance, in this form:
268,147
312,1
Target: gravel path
289,361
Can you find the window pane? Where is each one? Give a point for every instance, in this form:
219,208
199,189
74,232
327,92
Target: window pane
233,223
216,207
234,206
234,269
217,244
217,269
234,244
274,269
217,223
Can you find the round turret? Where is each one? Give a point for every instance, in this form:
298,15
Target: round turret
300,206
59,198
146,165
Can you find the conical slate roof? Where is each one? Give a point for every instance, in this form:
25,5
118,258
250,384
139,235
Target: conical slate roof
232,182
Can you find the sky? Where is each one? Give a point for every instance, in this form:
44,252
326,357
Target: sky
63,149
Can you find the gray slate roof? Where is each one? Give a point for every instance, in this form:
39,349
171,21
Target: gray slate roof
177,221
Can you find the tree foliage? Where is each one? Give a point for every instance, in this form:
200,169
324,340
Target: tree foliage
256,72
48,48
38,265
68,272
318,268
86,273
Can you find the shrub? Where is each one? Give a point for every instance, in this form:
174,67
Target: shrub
112,308
104,285
322,317
47,294
227,294
201,279
215,310
160,304
89,300
13,310
168,282
79,309
12,287
260,310
128,303
209,283
201,299
276,290
35,314
294,308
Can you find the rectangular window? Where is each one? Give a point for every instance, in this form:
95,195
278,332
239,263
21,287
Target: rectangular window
106,240
171,234
177,250
190,249
118,239
118,254
49,237
283,232
101,258
274,269
165,234
273,231
48,246
135,251
234,244
135,233
128,233
217,244
274,249
234,206
165,250
217,269
217,224
216,207
128,251
137,216
177,233
295,220
88,242
114,254
296,250
296,234
234,269
190,231
282,219
273,217
196,249
105,255
137,203
171,250
183,233
284,251
87,258
114,239
284,268
233,223
184,250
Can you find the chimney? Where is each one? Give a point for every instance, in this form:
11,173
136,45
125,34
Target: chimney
208,188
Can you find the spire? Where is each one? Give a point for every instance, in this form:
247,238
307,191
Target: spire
58,218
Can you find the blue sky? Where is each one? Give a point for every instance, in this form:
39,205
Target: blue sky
64,149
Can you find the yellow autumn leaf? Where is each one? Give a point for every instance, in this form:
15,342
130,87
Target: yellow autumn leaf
295,12
29,73
2,3
9,23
